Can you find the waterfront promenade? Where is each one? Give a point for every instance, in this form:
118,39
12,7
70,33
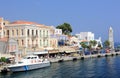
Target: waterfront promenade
72,58
68,58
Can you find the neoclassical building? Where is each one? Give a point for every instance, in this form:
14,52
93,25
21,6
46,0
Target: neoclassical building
29,35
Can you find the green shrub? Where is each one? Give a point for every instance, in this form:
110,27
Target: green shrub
3,59
0,60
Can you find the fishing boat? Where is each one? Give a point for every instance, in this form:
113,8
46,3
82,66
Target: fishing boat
29,62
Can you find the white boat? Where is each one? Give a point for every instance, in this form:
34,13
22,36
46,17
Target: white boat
29,62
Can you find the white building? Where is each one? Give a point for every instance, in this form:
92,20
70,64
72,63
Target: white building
58,31
87,36
111,40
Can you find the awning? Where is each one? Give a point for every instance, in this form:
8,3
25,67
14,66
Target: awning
70,51
53,51
41,52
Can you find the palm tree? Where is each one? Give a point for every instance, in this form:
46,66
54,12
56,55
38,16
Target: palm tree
107,44
89,48
99,47
92,43
83,46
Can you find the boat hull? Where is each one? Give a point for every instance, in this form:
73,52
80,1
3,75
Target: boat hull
28,67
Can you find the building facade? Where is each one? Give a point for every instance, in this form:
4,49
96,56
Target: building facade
29,35
86,36
2,25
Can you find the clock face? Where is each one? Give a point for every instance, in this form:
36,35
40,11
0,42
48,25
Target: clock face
110,31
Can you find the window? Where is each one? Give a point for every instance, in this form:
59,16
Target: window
28,43
40,43
36,32
32,32
4,23
47,34
47,42
40,33
22,32
43,33
12,32
8,33
22,42
18,42
17,32
28,32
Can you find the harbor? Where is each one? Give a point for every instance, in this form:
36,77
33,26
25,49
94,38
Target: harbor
71,58
104,67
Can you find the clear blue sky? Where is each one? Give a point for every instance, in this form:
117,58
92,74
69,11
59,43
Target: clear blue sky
83,15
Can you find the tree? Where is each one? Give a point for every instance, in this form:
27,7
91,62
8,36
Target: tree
66,28
107,44
93,43
83,46
99,46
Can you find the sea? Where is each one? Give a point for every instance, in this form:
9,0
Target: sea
102,67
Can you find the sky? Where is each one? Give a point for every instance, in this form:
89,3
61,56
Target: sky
83,15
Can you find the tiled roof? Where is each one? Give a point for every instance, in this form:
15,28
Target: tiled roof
22,22
28,23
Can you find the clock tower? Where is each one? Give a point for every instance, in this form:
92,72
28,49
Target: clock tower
111,40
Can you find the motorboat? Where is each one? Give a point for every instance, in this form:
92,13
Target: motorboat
29,62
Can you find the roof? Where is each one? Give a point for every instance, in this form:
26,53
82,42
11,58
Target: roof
22,22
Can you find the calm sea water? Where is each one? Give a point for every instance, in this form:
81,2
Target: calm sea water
103,67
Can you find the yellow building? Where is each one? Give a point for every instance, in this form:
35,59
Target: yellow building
30,35
2,23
